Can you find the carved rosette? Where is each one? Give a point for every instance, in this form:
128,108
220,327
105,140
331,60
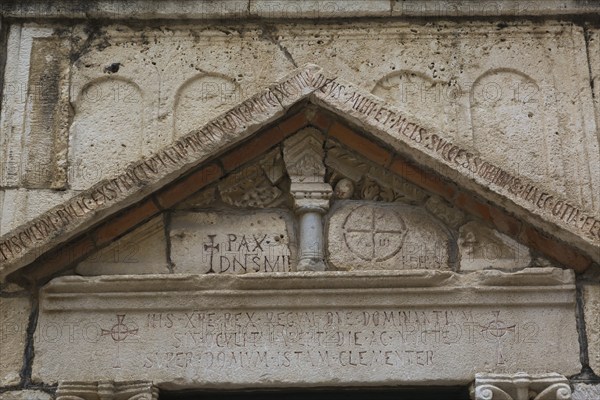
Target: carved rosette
521,386
107,390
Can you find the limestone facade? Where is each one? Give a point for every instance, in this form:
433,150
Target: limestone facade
269,195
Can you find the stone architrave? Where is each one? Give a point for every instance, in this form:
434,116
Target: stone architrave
368,235
231,242
307,329
521,386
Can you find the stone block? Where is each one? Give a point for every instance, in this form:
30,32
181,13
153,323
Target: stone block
369,235
26,395
482,247
143,251
232,242
35,108
591,309
14,318
18,206
308,329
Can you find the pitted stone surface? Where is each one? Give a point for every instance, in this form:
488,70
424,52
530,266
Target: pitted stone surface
591,307
367,235
308,329
25,395
482,247
231,242
35,108
14,318
584,391
20,205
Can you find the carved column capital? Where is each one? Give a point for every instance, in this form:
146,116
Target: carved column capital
520,386
303,155
107,390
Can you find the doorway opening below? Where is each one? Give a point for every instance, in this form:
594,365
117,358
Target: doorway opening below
403,393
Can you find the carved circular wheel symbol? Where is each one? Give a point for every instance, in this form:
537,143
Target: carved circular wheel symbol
374,233
119,332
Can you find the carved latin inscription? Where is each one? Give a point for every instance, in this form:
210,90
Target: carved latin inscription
304,329
233,243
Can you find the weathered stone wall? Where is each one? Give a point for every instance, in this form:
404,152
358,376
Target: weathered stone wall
87,89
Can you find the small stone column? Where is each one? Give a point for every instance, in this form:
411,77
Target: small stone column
520,386
303,155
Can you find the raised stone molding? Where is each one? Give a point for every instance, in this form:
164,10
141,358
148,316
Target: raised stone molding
106,390
521,386
307,329
559,217
267,9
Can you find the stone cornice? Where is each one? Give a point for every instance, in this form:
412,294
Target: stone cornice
294,9
401,135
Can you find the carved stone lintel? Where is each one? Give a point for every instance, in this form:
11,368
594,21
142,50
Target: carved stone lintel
521,386
303,156
107,390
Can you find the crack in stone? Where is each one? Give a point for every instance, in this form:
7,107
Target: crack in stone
29,353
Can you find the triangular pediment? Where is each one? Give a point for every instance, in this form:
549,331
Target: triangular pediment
397,142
